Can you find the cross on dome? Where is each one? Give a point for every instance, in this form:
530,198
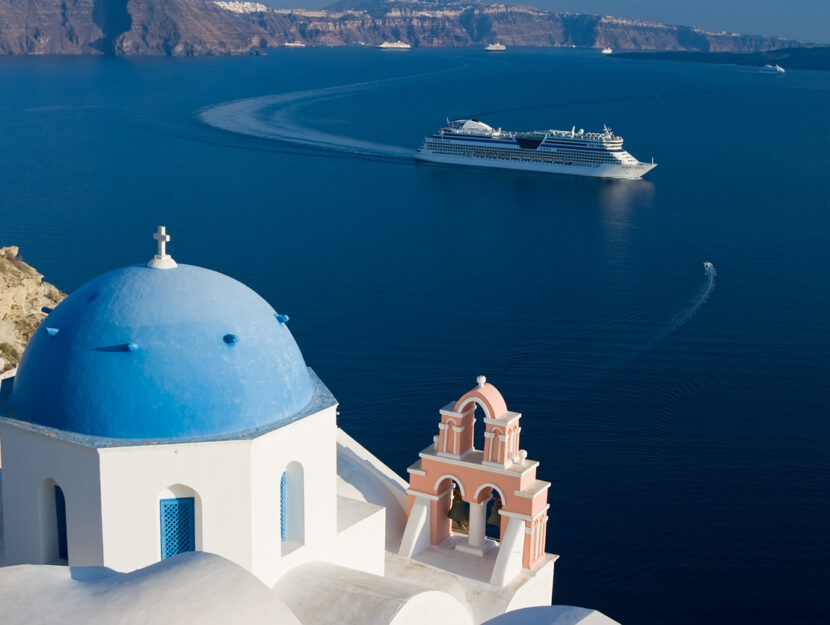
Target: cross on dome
162,237
162,260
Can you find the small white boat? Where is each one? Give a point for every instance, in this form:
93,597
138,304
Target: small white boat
607,51
394,45
496,47
294,44
772,69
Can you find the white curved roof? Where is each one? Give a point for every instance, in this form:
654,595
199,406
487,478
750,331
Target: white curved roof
321,593
475,127
194,587
552,615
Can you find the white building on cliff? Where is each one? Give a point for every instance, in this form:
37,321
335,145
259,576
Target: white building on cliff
163,409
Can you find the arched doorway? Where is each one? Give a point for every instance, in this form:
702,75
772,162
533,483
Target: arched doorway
178,507
53,526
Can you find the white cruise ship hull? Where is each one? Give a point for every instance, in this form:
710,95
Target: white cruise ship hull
602,170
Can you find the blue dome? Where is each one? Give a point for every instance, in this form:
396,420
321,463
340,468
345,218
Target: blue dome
145,353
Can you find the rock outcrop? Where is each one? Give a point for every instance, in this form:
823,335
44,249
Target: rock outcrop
199,27
23,295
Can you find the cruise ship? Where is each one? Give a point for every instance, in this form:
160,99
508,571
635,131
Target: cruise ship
472,142
394,45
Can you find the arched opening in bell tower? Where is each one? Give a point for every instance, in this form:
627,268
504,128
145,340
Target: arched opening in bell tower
491,498
479,414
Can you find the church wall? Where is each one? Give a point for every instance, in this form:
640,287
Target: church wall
134,479
312,443
32,465
537,589
361,545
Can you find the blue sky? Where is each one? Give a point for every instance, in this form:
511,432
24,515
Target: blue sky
805,20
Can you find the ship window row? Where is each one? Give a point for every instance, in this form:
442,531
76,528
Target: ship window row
576,156
514,155
569,156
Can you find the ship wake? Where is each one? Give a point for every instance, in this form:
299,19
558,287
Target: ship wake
277,117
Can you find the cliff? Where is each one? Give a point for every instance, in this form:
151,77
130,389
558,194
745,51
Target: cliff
23,294
198,27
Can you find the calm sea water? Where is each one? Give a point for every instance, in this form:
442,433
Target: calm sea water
682,418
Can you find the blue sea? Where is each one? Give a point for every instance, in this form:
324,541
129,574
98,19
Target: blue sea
682,415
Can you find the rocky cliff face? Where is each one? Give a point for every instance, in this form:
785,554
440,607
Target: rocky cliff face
23,294
196,27
47,27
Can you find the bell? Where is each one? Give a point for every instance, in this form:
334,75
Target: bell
495,518
459,513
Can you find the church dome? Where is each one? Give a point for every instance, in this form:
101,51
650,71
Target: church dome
162,353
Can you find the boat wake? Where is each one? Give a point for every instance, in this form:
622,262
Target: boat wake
681,318
277,117
589,357
687,313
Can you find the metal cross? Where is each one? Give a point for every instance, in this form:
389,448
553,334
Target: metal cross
162,237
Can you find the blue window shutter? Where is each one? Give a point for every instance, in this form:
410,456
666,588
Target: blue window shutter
60,513
282,505
178,526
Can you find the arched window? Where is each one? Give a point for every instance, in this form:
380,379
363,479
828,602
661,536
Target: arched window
292,508
283,481
60,514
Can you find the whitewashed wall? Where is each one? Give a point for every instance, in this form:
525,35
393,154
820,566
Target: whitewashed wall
29,460
135,479
311,442
113,495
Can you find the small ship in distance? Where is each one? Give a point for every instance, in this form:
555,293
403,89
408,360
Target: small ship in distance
576,152
772,69
394,45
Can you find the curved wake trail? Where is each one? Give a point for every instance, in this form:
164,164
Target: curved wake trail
595,354
275,117
272,117
687,313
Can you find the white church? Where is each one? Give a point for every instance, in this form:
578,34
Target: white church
167,457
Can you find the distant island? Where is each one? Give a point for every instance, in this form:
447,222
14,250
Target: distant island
223,27
791,58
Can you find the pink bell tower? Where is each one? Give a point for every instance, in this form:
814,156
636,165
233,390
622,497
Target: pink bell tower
500,470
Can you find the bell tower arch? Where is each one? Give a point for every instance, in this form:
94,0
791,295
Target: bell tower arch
501,470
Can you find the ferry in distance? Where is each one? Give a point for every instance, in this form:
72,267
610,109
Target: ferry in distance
394,45
772,69
576,152
496,47
607,51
